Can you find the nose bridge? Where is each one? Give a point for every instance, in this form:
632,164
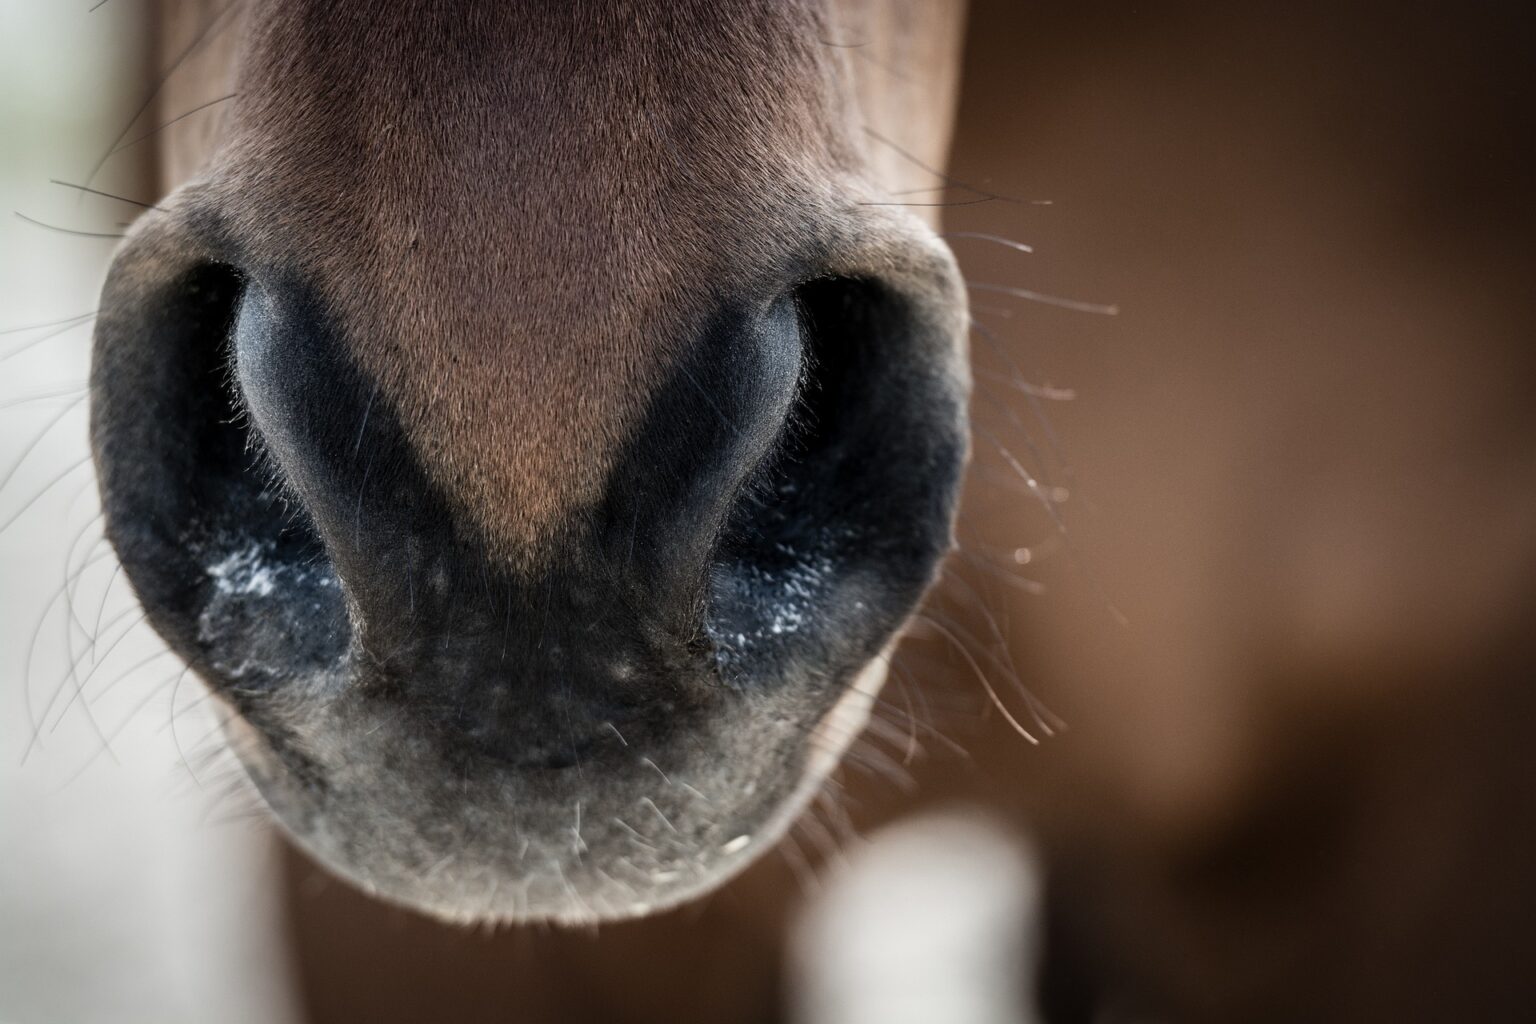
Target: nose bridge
521,217
336,439
521,333
514,367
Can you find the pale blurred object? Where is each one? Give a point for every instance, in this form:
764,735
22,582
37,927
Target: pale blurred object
123,897
935,920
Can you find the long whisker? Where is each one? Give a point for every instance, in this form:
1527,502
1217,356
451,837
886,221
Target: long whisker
62,686
1048,721
82,463
32,446
1077,305
80,690
99,192
37,630
117,731
989,237
951,202
1030,398
949,179
162,127
68,231
981,676
18,350
1032,587
192,47
1046,391
47,323
44,396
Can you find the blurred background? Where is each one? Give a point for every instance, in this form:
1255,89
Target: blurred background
122,897
1279,594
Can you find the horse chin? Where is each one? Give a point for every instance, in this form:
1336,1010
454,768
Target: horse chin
610,836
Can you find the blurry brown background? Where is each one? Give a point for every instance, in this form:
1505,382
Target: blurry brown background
1298,780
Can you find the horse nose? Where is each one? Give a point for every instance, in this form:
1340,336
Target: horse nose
773,513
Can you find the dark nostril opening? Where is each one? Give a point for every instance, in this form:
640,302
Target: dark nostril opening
194,508
228,480
836,324
836,329
837,534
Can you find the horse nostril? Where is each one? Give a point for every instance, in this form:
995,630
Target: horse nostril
842,526
229,569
